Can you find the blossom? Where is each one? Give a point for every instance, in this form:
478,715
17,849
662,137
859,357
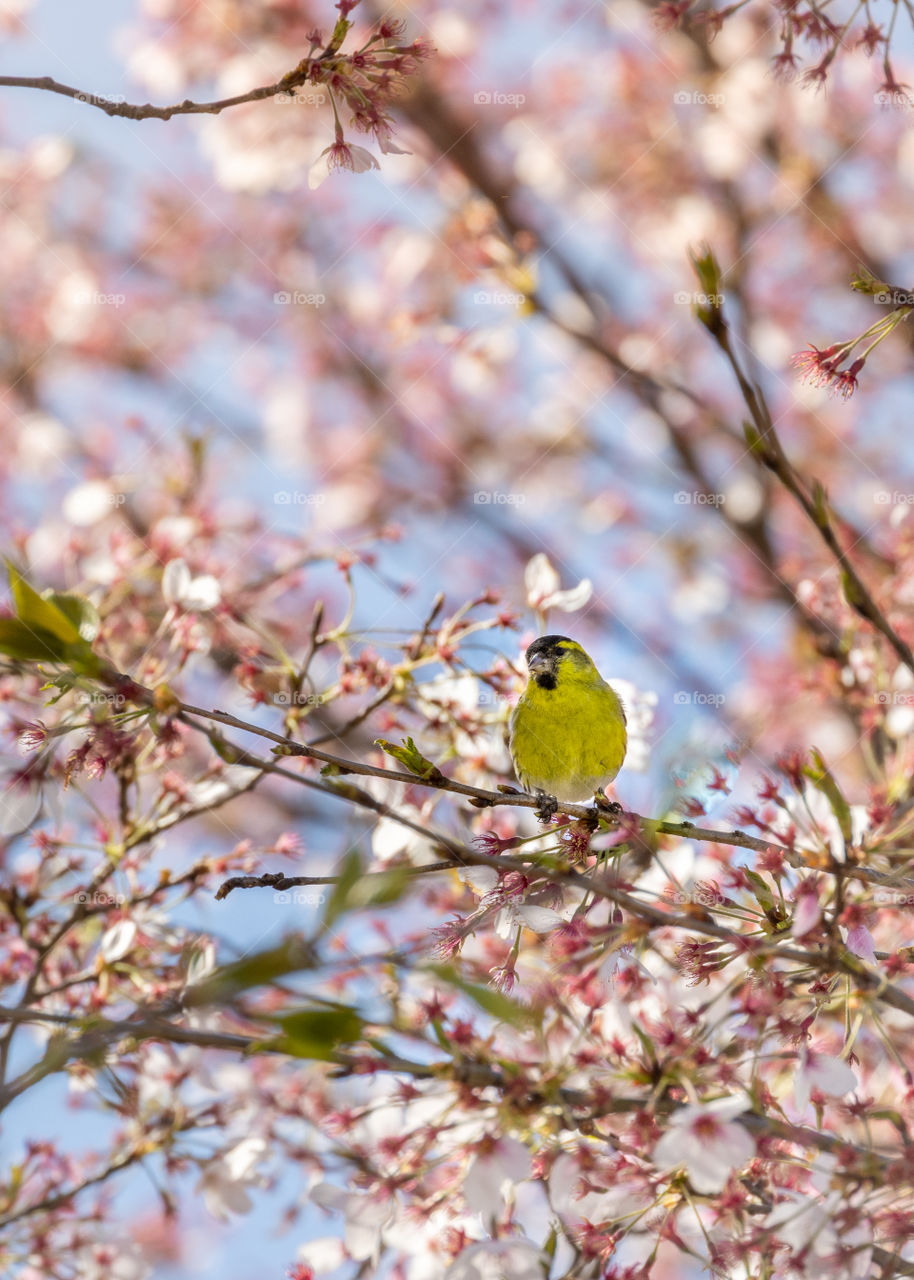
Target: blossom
340,155
808,911
498,1166
366,1217
89,502
508,1259
811,1225
543,592
225,1179
324,1253
860,942
817,367
576,1197
705,1140
826,1074
117,941
846,382
194,594
30,737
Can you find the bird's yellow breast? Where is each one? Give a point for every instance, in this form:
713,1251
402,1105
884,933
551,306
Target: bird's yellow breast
568,741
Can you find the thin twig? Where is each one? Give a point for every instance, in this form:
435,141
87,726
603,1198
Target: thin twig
146,110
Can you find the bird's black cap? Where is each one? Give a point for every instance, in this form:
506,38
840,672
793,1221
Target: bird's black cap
547,645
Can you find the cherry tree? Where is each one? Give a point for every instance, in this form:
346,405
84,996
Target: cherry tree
379,344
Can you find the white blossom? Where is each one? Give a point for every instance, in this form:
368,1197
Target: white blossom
829,1075
705,1140
509,1259
118,940
194,594
494,1171
325,1253
225,1179
543,588
337,156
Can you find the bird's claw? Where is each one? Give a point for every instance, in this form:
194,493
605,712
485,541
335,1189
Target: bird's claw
547,808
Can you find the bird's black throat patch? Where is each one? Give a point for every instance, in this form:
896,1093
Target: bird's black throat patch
545,680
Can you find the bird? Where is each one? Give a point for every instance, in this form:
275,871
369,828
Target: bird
567,734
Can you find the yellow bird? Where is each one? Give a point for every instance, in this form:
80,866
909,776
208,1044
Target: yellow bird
567,734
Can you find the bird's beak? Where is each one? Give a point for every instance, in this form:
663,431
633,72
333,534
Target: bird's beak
539,662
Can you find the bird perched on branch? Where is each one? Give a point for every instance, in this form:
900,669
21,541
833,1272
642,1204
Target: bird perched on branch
567,734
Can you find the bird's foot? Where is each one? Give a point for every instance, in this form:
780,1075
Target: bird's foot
591,820
547,808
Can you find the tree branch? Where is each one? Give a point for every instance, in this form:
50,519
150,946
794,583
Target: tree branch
146,110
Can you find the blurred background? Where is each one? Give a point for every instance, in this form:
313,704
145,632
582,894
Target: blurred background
481,353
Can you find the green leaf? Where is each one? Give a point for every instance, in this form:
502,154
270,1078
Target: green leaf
40,614
852,592
350,873
346,790
754,439
708,305
493,1002
821,778
80,611
411,758
764,895
706,268
257,970
29,644
315,1033
820,504
224,749
48,628
379,888
647,1043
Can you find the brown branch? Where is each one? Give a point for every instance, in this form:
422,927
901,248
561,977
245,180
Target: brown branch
766,447
490,799
578,1105
279,880
146,110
